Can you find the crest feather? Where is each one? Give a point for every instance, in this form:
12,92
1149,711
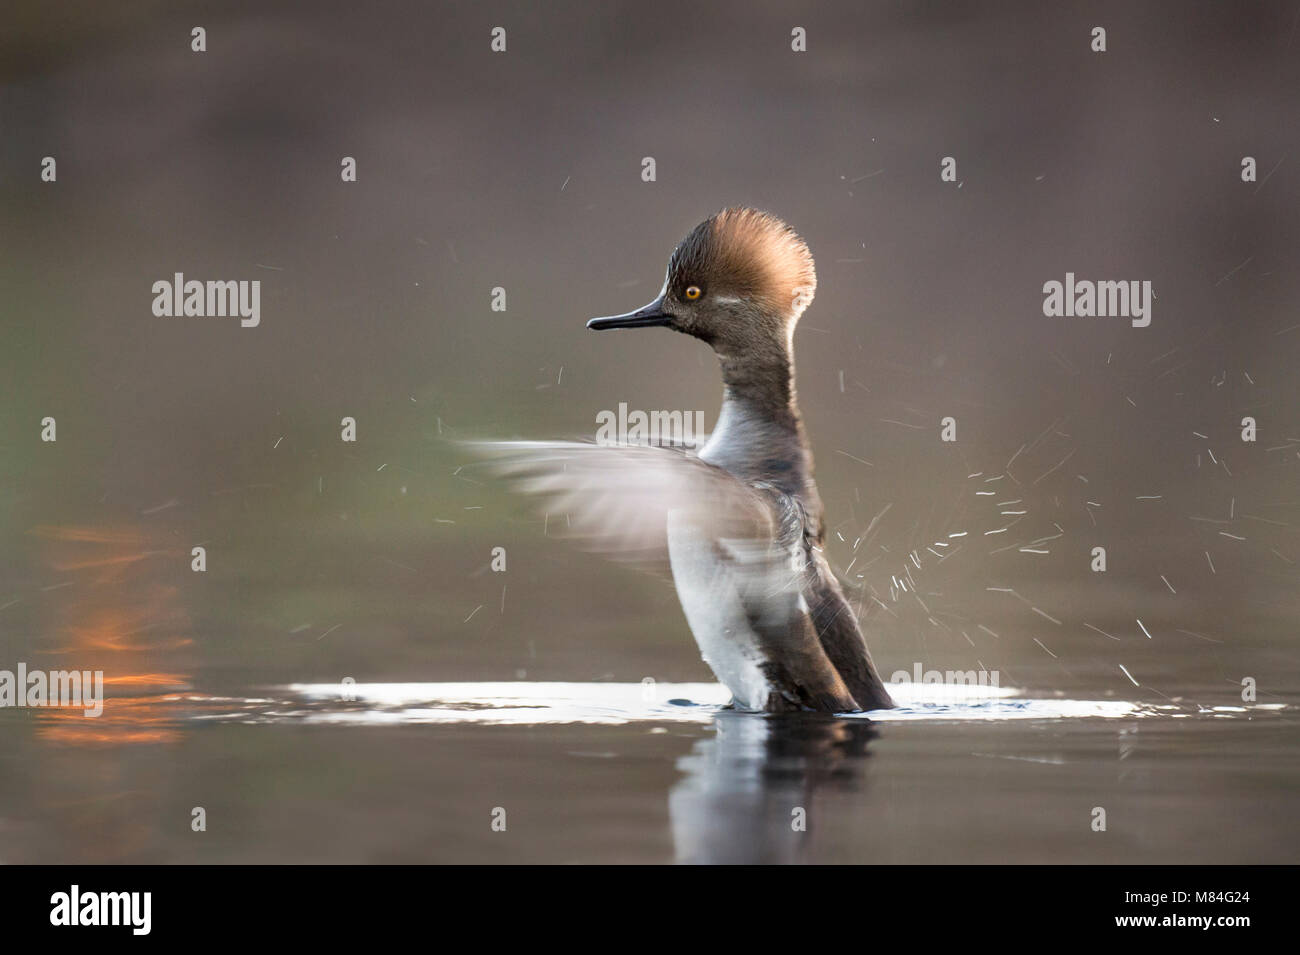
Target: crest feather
750,253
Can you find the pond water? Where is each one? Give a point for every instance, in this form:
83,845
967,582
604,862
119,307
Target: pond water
609,772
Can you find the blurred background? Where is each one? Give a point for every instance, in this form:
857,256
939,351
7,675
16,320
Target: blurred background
522,170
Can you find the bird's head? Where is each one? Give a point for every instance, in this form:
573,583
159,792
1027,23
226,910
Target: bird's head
739,281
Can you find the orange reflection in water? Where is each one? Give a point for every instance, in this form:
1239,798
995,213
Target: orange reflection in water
140,719
117,608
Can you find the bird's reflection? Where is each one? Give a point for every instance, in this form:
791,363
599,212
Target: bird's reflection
749,792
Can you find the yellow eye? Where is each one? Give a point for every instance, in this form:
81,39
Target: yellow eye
693,292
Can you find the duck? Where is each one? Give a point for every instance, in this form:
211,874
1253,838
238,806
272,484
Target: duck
738,524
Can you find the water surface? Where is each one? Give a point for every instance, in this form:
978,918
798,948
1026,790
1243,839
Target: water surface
607,772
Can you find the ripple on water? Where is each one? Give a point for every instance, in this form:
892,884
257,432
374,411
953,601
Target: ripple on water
521,703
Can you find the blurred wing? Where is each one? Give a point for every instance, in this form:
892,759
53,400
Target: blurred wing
615,500
733,550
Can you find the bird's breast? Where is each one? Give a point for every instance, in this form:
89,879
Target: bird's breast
731,591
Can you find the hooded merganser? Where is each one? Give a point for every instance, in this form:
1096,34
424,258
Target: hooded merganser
740,524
